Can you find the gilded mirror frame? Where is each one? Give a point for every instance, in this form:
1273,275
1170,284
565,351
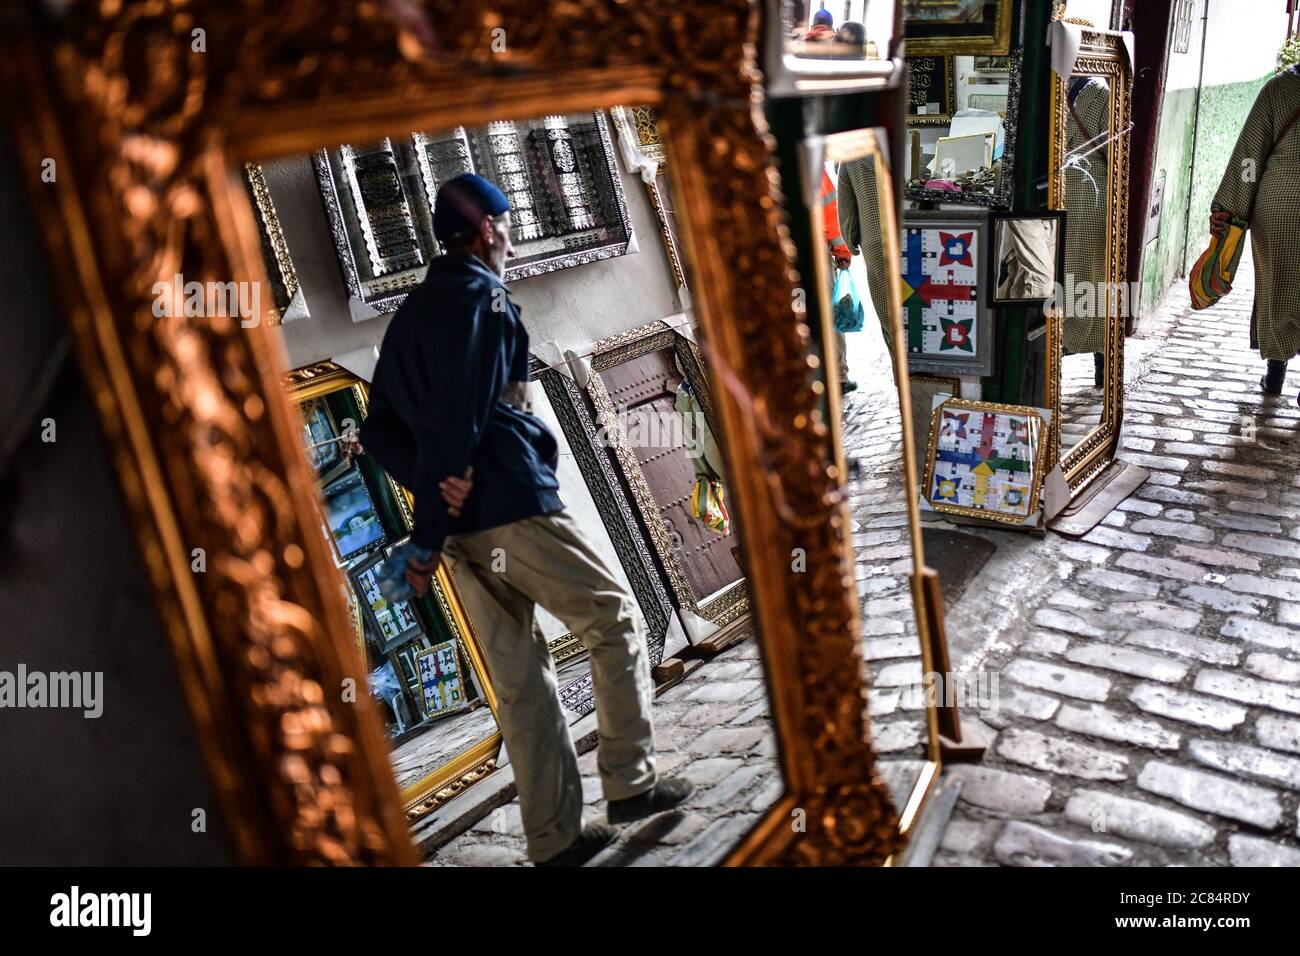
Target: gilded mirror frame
1102,54
926,603
471,765
148,130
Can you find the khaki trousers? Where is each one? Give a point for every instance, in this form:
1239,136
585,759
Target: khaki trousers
502,574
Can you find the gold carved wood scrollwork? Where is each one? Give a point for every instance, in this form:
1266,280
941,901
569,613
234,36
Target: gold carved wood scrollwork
148,127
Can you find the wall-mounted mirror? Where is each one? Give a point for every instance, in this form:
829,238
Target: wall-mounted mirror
961,117
558,172
1089,160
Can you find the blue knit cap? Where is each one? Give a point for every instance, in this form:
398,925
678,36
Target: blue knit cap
463,202
823,18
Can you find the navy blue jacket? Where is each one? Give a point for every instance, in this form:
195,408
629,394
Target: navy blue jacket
436,409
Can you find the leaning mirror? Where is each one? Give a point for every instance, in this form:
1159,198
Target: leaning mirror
423,664
275,642
854,250
1089,181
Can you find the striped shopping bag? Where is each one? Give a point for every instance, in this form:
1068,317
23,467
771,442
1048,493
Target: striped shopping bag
1211,277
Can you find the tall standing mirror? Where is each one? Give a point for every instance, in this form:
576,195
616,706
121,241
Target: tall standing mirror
849,186
1089,160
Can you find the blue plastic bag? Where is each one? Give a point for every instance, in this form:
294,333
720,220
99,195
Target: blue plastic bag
847,313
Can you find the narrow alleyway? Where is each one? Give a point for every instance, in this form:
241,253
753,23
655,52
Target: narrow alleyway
1150,676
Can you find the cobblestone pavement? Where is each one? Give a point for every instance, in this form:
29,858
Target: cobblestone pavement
1148,675
713,728
1150,672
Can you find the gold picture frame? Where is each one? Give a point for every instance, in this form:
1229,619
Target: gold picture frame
997,42
149,128
434,788
1103,54
1043,445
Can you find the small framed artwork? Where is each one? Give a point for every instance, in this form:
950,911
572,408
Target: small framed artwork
351,516
945,305
931,90
1028,257
986,460
441,689
395,622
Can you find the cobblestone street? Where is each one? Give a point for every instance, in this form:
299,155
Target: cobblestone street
1150,673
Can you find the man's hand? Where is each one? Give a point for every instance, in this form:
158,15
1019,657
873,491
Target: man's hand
419,574
350,444
843,263
1219,222
456,490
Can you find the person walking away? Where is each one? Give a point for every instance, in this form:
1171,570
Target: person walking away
842,259
1261,186
448,420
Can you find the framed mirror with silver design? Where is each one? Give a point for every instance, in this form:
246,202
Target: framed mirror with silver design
816,48
642,146
557,171
1089,164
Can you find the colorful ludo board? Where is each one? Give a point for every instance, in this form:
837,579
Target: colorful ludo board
986,460
944,313
440,680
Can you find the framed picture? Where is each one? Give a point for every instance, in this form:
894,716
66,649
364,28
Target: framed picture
931,90
957,26
351,516
945,308
992,64
393,622
986,460
438,672
1028,257
565,192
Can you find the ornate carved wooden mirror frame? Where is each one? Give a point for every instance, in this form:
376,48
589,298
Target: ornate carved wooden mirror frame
148,110
1100,54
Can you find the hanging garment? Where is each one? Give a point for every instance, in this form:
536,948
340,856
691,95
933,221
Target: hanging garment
1262,187
860,224
708,495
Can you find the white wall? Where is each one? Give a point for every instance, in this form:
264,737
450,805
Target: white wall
572,307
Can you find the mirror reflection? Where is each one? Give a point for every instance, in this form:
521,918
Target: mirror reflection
852,186
848,30
521,483
1087,203
960,109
